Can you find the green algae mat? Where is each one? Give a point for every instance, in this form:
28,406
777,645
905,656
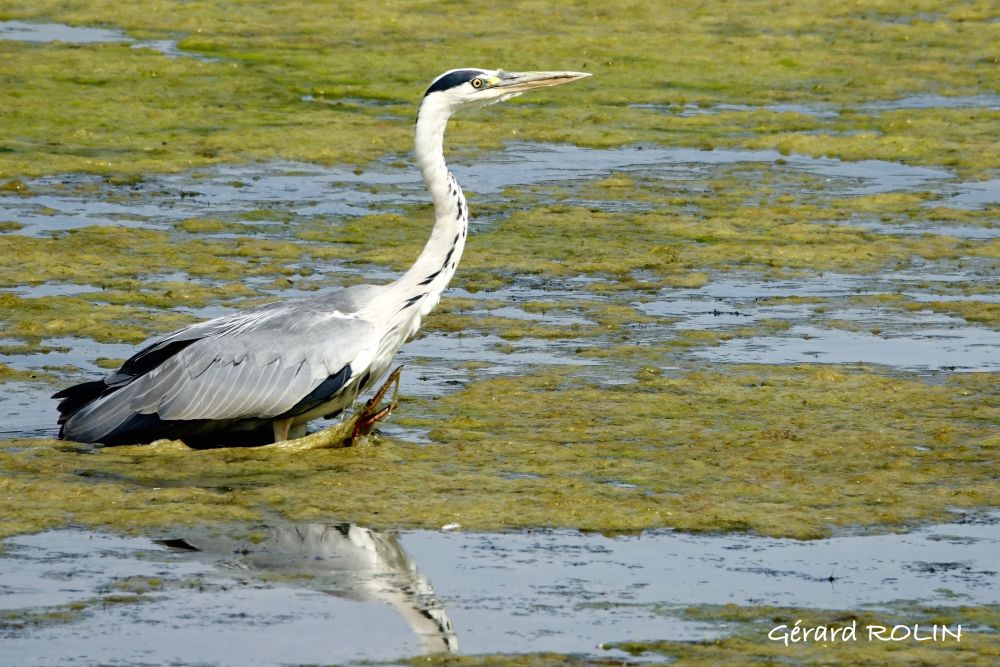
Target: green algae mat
654,338
112,108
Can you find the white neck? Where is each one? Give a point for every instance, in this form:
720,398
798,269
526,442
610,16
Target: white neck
420,288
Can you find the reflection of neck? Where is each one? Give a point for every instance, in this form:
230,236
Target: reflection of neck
405,589
373,567
426,617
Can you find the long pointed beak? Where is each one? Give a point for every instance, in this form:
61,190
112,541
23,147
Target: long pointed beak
518,82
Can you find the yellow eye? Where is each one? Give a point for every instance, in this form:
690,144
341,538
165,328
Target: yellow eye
477,83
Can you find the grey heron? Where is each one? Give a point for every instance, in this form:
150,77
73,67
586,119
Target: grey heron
257,376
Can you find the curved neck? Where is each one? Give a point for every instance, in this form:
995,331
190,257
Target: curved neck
427,278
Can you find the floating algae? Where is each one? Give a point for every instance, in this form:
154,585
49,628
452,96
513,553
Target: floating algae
701,451
272,87
600,278
728,215
584,447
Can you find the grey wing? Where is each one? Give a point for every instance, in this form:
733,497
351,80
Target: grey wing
256,363
263,371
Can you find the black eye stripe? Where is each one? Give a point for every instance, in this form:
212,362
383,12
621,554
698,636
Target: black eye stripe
452,79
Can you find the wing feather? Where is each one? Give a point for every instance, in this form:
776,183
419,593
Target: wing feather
248,391
215,391
255,372
163,381
98,419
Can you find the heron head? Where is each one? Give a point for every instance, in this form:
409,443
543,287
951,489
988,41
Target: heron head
471,87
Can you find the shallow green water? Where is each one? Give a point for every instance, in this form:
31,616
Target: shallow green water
778,317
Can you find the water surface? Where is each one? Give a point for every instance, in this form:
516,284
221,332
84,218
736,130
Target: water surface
338,593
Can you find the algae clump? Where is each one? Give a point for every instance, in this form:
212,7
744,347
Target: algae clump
331,86
699,452
688,449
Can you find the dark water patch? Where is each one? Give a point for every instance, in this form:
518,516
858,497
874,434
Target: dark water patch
27,410
439,363
965,232
975,195
50,289
342,102
545,163
305,190
968,349
79,353
926,101
71,202
691,109
932,101
839,318
42,33
23,31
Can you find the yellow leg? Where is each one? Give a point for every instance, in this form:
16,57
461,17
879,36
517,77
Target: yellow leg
281,428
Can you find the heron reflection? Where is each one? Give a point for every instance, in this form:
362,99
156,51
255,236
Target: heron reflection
344,560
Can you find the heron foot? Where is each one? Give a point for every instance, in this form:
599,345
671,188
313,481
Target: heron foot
348,433
374,411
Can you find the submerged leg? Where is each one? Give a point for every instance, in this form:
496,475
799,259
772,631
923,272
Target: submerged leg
281,427
372,413
346,433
